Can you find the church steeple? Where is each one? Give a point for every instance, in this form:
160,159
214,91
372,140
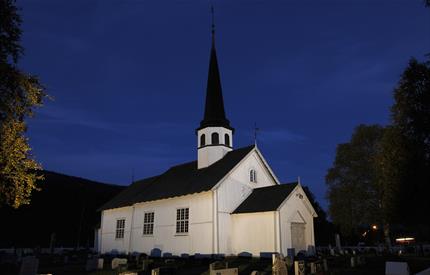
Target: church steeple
215,135
214,108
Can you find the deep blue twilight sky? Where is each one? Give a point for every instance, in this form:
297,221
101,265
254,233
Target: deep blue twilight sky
128,78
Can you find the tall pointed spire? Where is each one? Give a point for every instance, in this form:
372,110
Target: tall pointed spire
214,108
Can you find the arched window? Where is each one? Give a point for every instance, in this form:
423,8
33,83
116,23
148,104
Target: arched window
202,140
227,139
215,138
253,175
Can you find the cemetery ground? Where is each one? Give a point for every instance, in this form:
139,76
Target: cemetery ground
77,264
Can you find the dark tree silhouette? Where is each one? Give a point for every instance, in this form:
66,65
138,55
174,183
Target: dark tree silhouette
20,93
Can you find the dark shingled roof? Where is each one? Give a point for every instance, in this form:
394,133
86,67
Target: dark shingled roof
214,107
265,198
179,180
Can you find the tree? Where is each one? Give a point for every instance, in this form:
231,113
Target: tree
20,93
324,230
353,190
407,157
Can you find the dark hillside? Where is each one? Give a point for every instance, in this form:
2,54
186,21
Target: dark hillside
66,206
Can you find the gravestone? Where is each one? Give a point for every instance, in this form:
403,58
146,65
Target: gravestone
245,254
155,252
29,266
116,262
299,268
279,266
313,268
100,263
155,271
311,250
353,262
396,268
325,265
337,238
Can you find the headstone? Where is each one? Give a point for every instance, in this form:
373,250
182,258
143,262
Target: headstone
325,265
29,266
299,268
311,250
155,271
217,265
245,254
338,246
100,263
313,268
155,252
279,266
254,272
291,252
396,268
332,252
353,262
116,262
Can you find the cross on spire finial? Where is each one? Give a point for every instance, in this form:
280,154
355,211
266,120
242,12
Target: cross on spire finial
256,129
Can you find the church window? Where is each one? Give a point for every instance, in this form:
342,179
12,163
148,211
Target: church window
148,223
253,175
120,227
227,139
203,140
182,215
215,138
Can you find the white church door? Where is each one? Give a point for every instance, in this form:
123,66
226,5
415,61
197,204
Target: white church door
298,236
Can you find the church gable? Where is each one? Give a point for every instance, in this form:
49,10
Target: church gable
250,173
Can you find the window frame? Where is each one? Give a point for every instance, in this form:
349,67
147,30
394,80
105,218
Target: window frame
202,140
148,224
252,175
119,231
227,138
182,220
213,135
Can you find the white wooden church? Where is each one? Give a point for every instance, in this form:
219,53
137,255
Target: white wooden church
227,202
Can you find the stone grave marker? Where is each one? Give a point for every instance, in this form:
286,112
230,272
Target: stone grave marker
299,268
353,262
116,262
325,265
100,263
313,268
279,266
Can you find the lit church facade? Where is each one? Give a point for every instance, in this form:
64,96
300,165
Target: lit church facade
227,202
